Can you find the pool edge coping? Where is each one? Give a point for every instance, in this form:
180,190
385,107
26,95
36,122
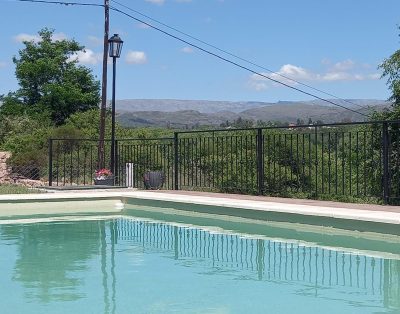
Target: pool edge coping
379,216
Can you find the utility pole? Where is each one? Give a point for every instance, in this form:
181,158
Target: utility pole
103,107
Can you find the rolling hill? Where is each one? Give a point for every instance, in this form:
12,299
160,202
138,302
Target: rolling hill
193,113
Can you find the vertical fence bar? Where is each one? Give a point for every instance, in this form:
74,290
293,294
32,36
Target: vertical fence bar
210,152
57,164
291,162
260,162
357,168
398,158
84,166
350,165
329,162
322,164
71,175
285,157
385,139
336,162
316,159
176,161
78,164
195,162
343,164
91,160
50,162
116,165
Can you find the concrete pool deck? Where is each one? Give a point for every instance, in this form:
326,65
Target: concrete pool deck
348,211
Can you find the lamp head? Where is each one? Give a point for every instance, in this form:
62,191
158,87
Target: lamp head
115,44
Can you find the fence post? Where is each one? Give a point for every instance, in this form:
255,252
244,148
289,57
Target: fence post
176,161
260,162
50,162
386,178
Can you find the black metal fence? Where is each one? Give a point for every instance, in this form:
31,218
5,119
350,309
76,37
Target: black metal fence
73,161
359,160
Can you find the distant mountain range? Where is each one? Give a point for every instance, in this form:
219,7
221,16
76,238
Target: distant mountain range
190,113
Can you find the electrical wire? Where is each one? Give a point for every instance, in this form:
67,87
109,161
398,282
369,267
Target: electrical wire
199,48
237,57
232,62
62,3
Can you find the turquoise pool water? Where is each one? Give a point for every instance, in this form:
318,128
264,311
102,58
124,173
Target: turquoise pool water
167,263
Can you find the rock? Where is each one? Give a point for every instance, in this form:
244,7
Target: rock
5,170
30,183
7,176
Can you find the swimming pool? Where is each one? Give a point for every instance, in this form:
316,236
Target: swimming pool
161,260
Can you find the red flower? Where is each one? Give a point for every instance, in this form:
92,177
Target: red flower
103,174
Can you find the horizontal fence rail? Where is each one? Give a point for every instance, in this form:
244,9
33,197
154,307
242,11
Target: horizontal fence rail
341,161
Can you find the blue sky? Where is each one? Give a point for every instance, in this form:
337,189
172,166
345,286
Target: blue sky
333,45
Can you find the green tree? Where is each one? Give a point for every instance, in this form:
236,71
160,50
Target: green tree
242,123
391,72
51,81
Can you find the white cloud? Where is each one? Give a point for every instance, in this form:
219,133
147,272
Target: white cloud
143,26
20,38
374,76
159,2
87,56
257,84
344,65
59,36
346,70
26,37
339,76
136,57
336,76
95,41
187,50
294,72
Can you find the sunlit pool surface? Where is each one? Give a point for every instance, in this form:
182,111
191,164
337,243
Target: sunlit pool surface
137,264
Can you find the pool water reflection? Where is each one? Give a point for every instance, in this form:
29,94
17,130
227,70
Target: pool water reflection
139,265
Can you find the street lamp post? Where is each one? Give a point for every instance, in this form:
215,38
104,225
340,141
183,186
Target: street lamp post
115,46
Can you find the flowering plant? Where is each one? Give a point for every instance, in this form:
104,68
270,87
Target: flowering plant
103,174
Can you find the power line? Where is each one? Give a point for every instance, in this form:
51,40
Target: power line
236,56
232,62
199,48
62,3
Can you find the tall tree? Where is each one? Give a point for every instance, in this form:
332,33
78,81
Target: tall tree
51,80
391,72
